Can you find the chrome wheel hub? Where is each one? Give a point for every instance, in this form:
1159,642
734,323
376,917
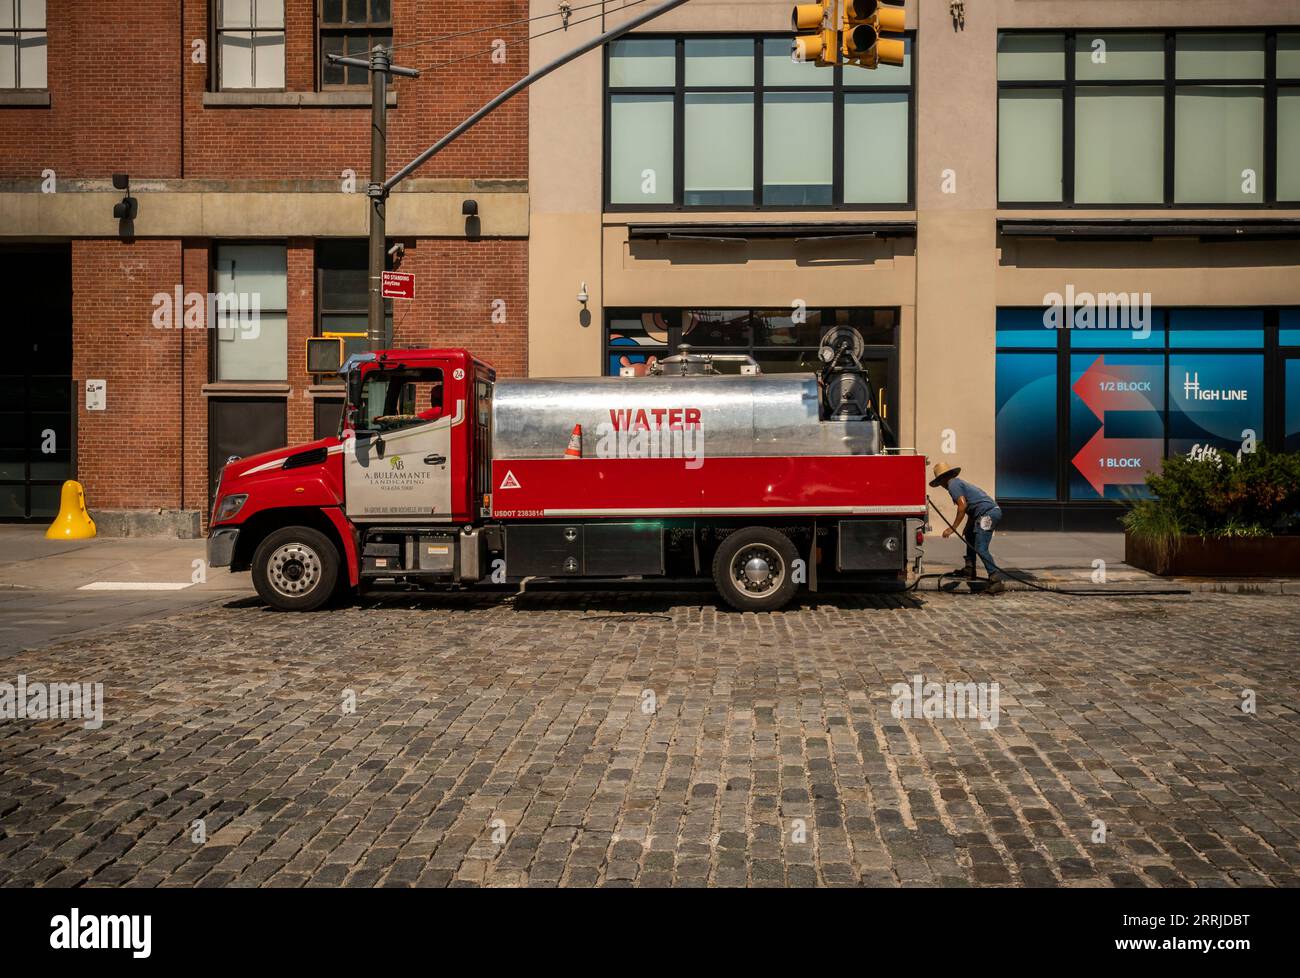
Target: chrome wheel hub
294,570
757,569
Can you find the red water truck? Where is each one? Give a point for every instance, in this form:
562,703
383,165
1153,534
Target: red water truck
702,466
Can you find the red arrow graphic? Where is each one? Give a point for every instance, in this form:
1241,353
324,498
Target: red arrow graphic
1114,388
1117,461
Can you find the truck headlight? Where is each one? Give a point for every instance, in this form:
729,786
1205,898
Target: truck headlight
228,506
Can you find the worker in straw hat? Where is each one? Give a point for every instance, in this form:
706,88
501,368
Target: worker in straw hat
982,515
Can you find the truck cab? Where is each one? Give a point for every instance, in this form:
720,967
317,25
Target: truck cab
315,519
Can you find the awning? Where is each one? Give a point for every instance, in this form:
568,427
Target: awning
751,230
1205,229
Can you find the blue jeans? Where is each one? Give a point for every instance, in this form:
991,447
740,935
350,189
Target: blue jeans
978,540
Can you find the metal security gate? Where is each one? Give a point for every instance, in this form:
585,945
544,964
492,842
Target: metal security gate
37,451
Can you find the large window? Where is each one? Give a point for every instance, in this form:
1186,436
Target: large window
1083,414
352,28
252,301
1187,118
780,340
23,44
734,123
250,44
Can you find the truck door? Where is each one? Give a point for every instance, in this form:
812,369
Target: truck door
398,466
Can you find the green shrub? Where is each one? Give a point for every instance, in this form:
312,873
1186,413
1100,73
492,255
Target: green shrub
1218,495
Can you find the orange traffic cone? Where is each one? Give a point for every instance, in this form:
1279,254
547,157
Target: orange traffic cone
575,443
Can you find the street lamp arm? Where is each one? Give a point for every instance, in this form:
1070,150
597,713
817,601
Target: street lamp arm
523,83
338,59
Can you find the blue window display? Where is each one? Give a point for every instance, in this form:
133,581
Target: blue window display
1215,400
649,332
1142,333
1291,434
1289,327
1024,328
1026,425
1132,399
1240,329
1117,423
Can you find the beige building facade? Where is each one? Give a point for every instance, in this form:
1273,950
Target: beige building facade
1031,152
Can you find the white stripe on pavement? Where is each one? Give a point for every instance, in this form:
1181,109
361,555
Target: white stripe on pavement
135,586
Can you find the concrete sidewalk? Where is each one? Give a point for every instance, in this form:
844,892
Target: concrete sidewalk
1071,560
54,589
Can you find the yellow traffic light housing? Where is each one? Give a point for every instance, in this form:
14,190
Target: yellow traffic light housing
814,27
865,24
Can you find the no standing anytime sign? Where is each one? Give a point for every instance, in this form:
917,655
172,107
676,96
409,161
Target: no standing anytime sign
399,285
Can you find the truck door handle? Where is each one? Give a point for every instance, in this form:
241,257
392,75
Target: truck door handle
435,460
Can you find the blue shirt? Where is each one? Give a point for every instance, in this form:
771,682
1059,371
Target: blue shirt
978,502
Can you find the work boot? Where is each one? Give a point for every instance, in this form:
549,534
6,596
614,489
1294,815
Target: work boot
997,585
967,572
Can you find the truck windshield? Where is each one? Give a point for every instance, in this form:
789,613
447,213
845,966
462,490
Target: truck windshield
396,399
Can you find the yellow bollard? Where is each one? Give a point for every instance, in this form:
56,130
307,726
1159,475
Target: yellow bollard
73,522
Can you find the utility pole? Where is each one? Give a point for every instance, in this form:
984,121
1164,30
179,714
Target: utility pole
380,67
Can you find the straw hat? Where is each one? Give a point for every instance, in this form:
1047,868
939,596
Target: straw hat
942,471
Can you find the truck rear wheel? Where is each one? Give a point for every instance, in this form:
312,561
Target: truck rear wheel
754,569
296,568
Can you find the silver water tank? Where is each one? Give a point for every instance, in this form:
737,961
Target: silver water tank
774,415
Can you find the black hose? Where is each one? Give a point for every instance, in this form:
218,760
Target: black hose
1074,593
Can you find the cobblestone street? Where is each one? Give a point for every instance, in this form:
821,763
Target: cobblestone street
641,739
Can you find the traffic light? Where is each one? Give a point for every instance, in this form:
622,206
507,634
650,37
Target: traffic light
814,27
865,24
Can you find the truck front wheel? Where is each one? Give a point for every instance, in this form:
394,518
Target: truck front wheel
754,569
295,569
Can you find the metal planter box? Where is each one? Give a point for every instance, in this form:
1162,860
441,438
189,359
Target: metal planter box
1213,557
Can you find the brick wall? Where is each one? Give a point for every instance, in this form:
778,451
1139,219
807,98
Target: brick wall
457,287
129,455
198,264
279,143
116,69
114,81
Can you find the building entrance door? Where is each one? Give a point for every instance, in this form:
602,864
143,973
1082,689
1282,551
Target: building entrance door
36,395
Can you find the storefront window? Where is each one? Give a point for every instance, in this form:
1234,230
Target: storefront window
1117,423
1215,400
1026,425
1289,327
1196,329
1291,433
637,340
1133,397
782,340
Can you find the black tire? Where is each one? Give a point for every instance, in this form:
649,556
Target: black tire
764,586
296,569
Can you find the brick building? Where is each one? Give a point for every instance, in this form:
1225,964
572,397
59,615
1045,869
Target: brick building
688,183
249,156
